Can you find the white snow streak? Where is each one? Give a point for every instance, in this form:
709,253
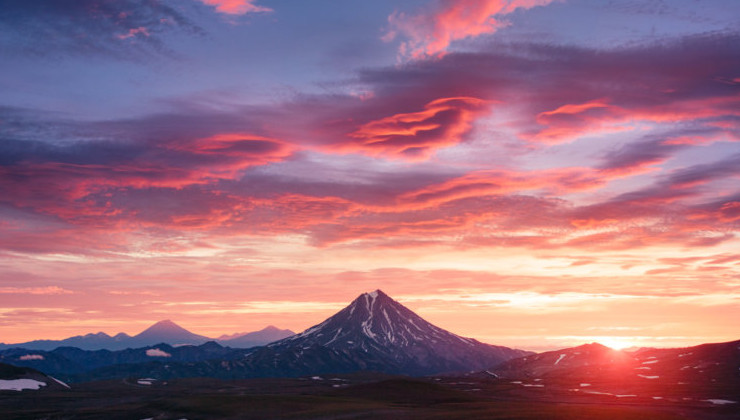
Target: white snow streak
60,382
559,359
720,402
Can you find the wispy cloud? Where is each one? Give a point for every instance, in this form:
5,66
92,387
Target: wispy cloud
48,290
236,7
124,29
429,33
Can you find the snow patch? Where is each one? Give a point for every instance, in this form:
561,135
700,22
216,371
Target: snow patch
648,377
317,378
560,358
649,362
373,294
685,354
157,353
585,385
31,357
720,402
143,382
598,393
20,384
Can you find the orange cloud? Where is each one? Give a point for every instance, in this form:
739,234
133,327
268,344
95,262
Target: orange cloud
429,34
49,290
236,7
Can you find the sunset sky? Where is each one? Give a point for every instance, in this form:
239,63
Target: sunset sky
531,173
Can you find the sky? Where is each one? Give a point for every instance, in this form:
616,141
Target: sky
531,173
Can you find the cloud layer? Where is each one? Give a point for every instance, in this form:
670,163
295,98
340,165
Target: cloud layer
494,167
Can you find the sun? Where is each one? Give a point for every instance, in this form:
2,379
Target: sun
616,343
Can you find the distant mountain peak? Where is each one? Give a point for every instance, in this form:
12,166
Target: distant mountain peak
168,332
166,323
270,328
164,326
255,338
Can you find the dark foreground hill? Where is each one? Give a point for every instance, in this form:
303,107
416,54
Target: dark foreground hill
17,379
354,396
708,372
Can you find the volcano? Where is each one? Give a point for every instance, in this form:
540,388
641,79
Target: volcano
376,333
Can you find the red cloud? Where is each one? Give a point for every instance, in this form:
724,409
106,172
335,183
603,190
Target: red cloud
225,155
484,183
730,212
414,135
105,193
571,121
429,34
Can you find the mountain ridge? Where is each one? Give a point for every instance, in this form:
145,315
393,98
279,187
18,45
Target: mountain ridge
164,331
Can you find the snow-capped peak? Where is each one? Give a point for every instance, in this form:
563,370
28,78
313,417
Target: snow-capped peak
375,326
375,319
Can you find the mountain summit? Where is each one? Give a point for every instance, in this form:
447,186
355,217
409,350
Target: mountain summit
167,331
256,338
376,333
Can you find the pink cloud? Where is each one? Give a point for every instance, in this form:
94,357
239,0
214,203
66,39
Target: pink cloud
133,32
499,182
414,135
236,7
429,34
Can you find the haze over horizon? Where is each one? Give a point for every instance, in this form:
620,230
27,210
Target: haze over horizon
535,174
